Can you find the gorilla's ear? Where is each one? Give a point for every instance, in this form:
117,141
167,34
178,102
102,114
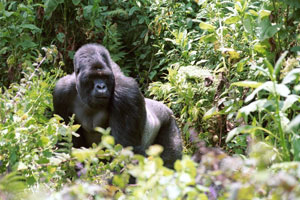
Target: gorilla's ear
127,112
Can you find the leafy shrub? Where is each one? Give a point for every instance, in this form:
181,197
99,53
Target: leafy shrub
18,37
27,135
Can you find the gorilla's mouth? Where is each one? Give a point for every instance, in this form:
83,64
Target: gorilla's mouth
101,97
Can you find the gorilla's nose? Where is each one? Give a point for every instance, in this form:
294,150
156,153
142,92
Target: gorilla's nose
101,86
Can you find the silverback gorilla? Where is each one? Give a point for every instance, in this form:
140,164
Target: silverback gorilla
100,95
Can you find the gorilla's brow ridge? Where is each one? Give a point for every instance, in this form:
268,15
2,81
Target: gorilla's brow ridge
93,55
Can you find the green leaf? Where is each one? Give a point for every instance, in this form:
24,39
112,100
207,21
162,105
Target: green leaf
246,129
248,25
261,48
296,147
206,26
32,27
76,2
61,37
270,68
121,180
154,150
232,20
266,30
240,65
293,3
236,131
50,6
211,112
132,10
26,44
210,38
87,11
253,13
278,64
264,13
250,84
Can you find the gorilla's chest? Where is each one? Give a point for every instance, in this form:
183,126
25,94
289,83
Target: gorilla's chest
90,118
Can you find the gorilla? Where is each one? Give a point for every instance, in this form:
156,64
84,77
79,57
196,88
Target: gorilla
100,95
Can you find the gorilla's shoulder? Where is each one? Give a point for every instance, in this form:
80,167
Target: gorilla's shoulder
65,89
127,88
66,85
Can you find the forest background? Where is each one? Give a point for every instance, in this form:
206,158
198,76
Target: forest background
229,70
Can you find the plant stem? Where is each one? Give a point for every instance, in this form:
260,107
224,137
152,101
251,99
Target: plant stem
278,121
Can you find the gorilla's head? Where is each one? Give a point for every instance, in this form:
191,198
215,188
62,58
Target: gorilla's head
94,77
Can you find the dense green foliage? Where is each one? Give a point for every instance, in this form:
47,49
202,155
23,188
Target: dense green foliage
229,70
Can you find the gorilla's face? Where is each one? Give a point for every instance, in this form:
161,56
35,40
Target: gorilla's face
94,78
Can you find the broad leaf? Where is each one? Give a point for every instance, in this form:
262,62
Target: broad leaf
250,84
289,101
211,112
291,76
293,3
76,2
280,89
206,26
258,105
278,64
296,147
246,129
264,13
294,123
50,6
32,27
232,20
266,30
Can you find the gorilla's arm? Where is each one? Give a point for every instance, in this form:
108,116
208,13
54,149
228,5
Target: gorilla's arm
63,99
64,95
161,128
127,112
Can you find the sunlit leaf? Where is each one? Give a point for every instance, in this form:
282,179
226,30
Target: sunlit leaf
246,129
261,48
258,105
289,101
294,123
206,26
211,112
264,13
270,68
232,20
253,12
154,150
291,76
234,54
210,38
278,64
269,86
250,84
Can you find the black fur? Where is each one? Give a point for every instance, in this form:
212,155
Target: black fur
99,94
